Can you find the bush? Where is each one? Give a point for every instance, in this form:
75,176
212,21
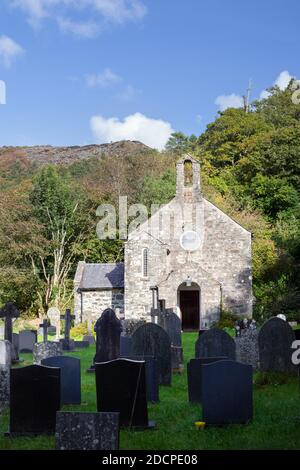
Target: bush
79,330
227,320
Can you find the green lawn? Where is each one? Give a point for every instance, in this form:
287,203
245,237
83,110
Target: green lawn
276,423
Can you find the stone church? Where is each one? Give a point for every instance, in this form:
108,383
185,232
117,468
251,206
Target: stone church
189,256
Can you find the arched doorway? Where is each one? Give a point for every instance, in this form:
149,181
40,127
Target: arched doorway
189,303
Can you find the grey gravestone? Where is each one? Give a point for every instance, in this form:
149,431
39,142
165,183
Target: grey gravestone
90,339
108,330
44,350
121,387
151,372
247,348
5,353
214,343
5,363
275,341
67,342
27,340
171,323
226,392
87,431
34,400
194,376
70,380
125,346
54,316
16,347
152,340
1,332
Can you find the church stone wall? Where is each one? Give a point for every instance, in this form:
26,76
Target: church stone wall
94,302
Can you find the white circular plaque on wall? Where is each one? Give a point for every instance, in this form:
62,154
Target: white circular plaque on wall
190,241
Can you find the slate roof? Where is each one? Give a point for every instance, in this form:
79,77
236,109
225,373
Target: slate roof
102,276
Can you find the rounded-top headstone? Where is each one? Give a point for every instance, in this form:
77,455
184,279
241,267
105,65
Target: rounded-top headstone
108,330
152,340
275,341
215,342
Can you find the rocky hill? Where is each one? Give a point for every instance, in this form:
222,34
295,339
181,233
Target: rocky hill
66,155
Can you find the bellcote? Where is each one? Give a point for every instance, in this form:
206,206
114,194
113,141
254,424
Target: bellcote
188,185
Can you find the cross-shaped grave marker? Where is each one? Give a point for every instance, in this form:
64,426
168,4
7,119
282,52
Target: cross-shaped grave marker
8,312
68,317
45,325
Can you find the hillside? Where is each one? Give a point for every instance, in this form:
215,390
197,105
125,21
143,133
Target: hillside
68,155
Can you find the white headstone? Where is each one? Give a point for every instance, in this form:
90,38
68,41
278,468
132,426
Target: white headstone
54,316
5,353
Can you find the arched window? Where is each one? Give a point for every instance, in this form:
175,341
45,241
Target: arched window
188,173
145,262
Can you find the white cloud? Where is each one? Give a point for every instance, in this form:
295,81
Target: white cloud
229,101
103,79
152,132
9,50
129,93
94,13
282,81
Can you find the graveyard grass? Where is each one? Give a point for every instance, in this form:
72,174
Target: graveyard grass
276,423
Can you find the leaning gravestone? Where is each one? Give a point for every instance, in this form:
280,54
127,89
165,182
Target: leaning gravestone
226,393
87,431
108,330
152,340
214,343
70,382
194,376
5,363
151,372
27,340
34,400
44,350
121,387
247,348
275,341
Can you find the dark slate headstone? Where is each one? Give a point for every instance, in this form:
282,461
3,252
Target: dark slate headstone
15,344
108,329
152,340
87,431
247,347
44,350
214,343
121,387
27,340
194,376
171,323
151,372
34,399
70,381
226,393
125,346
275,341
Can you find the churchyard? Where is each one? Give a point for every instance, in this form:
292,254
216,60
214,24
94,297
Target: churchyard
276,412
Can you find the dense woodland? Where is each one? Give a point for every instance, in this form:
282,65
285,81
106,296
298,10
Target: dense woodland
250,169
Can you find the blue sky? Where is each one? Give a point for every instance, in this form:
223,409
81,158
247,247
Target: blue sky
91,71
